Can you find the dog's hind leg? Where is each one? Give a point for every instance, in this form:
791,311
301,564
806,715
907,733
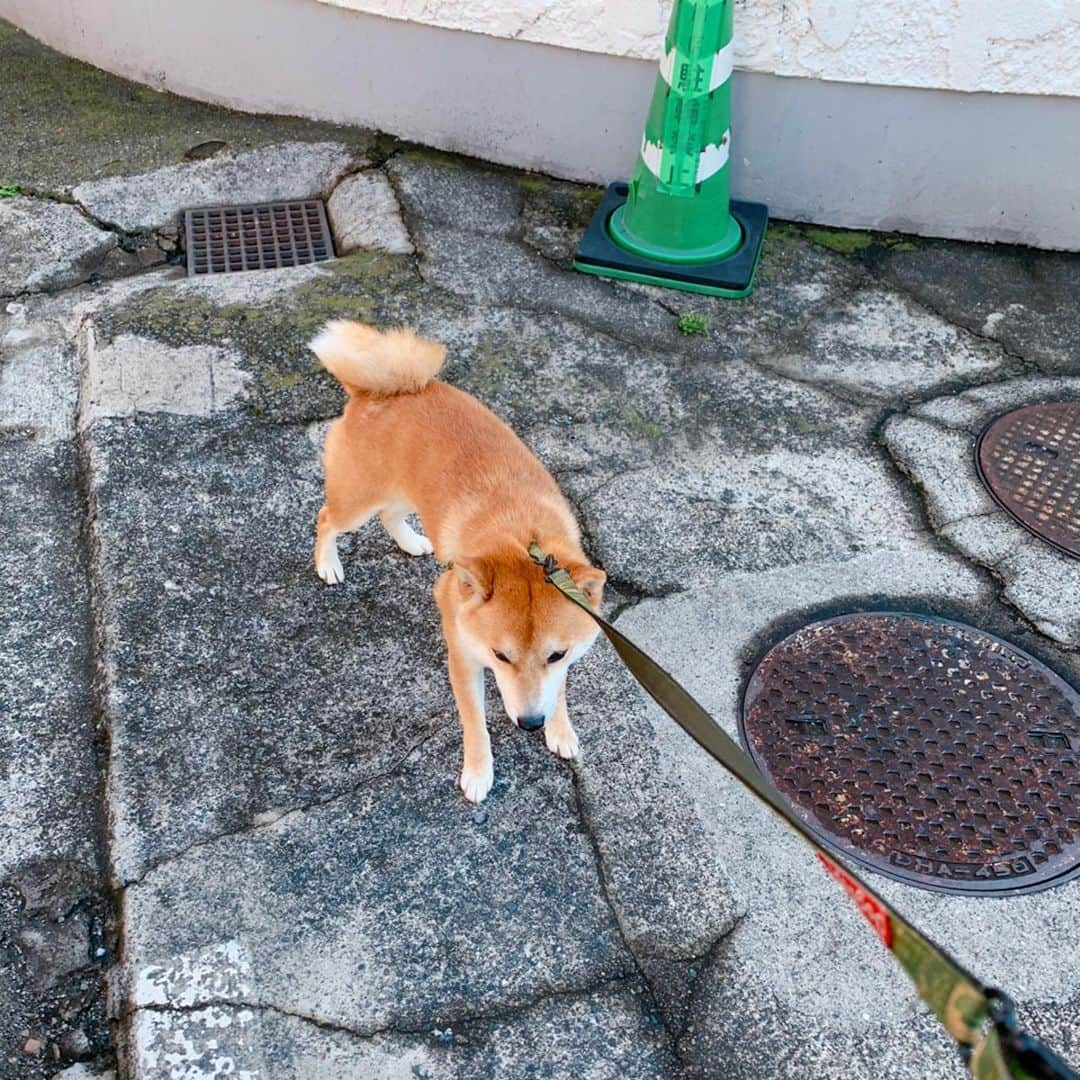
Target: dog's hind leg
329,527
352,497
405,536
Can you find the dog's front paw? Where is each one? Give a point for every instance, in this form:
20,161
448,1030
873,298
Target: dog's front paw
562,740
417,545
331,570
476,783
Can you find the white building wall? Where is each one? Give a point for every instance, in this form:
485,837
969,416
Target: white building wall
1007,46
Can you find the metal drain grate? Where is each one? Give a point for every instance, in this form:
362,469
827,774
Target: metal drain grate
259,236
1029,460
924,749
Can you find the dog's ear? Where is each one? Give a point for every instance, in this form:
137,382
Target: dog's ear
590,580
474,576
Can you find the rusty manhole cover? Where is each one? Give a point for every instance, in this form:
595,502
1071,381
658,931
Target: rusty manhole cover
924,749
258,236
1029,460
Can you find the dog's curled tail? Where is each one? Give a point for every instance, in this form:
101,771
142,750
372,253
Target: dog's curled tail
382,363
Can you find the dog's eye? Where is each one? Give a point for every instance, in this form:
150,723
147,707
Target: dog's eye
501,656
555,657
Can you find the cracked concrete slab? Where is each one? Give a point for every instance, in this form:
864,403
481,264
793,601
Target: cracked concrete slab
38,375
53,911
132,375
1024,299
49,779
934,444
673,898
238,684
47,245
288,170
742,1024
269,325
881,345
699,512
440,193
470,249
588,1035
396,905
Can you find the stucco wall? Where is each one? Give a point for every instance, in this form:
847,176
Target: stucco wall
1027,47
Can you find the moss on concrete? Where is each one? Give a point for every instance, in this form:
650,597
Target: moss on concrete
852,242
430,156
784,243
560,203
636,424
65,121
271,335
842,241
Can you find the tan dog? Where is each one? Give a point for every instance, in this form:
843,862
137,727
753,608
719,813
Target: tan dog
407,442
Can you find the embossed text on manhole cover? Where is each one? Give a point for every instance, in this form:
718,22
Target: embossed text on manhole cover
258,236
924,749
1029,460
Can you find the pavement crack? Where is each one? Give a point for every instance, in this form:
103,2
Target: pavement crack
822,386
633,594
988,568
964,518
928,306
704,962
580,803
99,673
127,236
610,478
270,819
603,329
426,1026
407,221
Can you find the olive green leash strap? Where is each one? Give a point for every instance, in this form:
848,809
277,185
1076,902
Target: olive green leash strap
980,1019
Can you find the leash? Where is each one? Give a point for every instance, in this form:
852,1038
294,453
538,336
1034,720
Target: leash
981,1019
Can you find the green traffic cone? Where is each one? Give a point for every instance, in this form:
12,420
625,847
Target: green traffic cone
674,224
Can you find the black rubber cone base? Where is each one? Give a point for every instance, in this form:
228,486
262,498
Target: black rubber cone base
731,277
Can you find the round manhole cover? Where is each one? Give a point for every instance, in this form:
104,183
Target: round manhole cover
924,749
1029,460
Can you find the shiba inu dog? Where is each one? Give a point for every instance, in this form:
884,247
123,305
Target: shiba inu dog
410,443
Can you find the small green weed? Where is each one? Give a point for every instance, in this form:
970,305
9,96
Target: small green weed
690,323
9,191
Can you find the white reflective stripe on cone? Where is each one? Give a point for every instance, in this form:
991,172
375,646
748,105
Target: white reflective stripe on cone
710,161
723,62
651,153
722,66
714,157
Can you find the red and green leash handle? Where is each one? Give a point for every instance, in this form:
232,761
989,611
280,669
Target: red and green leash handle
980,1018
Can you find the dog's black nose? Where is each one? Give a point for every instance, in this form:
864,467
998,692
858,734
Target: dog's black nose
531,723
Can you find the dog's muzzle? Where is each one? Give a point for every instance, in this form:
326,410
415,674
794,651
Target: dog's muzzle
531,723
